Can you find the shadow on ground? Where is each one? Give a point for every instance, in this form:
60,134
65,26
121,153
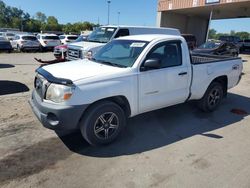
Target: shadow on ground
32,160
11,87
144,133
246,52
163,127
5,66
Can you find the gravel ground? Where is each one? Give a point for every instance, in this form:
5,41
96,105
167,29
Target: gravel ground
173,147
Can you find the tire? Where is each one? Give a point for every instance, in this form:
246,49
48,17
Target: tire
41,49
212,98
102,123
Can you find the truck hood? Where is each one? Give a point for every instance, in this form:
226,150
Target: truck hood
81,69
85,45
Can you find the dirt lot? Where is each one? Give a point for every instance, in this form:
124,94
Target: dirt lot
175,147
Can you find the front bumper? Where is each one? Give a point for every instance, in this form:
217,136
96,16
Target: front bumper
56,116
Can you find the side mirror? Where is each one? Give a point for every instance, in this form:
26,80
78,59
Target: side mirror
151,64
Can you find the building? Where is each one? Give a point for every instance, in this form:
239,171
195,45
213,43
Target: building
194,16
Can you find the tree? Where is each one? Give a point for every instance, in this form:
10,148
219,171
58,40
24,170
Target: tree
243,35
212,34
41,17
232,32
52,24
17,18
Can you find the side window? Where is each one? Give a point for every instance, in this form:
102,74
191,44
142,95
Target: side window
122,32
38,36
169,54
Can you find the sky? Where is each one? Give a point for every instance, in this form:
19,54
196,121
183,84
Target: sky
132,12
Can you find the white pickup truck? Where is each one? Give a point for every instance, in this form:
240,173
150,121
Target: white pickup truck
129,76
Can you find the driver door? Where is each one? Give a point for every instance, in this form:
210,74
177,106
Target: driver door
167,85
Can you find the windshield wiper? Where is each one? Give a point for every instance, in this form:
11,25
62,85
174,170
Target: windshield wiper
112,64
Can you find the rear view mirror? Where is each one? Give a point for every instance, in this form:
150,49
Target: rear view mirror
151,64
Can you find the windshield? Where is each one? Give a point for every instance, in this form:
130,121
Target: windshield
210,45
2,38
72,37
120,53
81,38
51,37
10,34
29,38
102,34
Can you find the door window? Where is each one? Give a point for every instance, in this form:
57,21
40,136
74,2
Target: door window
122,32
169,54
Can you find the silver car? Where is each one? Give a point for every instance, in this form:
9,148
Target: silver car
25,42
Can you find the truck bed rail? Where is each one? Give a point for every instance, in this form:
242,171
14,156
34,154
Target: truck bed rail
205,58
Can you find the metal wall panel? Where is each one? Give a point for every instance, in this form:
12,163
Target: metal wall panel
164,5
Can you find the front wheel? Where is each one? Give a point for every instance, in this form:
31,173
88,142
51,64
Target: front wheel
212,98
102,123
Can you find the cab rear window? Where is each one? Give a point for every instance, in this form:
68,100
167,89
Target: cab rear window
29,38
51,37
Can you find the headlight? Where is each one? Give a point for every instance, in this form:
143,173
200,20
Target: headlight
89,55
59,93
84,54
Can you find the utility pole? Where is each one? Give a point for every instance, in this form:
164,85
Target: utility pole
118,17
108,9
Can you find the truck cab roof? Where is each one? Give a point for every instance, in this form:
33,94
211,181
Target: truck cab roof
150,37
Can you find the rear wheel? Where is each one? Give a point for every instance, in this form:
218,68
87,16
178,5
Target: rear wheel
212,98
102,123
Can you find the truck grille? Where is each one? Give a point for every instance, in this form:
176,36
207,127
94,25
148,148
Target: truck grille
74,54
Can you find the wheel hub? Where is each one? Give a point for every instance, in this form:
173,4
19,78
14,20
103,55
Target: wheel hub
106,125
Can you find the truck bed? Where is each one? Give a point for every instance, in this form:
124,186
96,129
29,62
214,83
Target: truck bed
206,58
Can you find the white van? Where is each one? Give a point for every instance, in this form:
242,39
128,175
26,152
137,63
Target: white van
104,34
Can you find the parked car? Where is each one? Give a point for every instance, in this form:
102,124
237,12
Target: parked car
60,52
48,41
232,39
25,42
129,76
218,48
99,37
191,41
246,44
5,45
65,39
9,36
229,38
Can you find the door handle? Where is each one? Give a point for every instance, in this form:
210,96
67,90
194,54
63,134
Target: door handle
182,73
